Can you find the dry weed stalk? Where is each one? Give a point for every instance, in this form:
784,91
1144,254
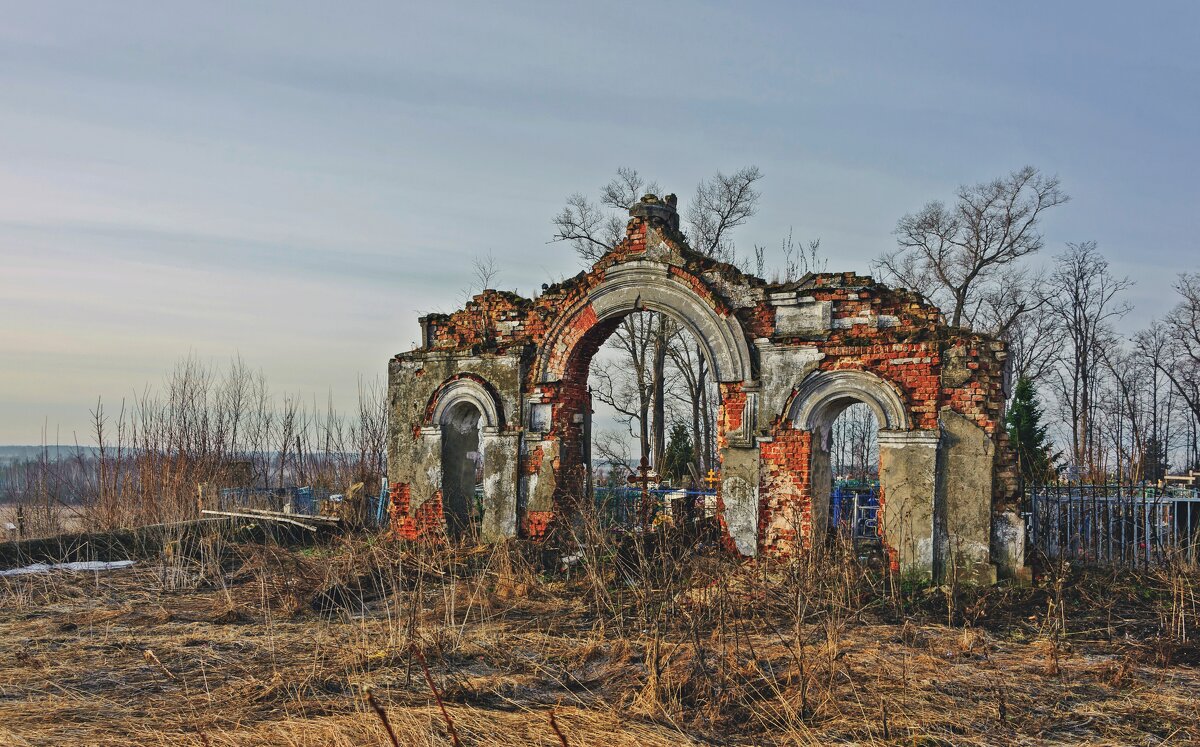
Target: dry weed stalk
382,715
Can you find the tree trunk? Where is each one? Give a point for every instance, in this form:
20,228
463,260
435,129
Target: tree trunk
659,375
705,412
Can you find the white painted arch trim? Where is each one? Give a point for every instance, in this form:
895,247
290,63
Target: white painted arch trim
644,285
466,390
822,390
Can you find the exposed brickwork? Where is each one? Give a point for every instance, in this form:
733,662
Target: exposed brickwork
890,333
536,524
426,521
732,413
785,502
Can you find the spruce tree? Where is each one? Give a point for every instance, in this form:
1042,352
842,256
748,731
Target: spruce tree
679,454
1027,434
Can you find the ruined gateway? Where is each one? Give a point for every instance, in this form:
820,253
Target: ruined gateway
507,377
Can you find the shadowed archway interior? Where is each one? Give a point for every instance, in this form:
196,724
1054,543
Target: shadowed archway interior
461,463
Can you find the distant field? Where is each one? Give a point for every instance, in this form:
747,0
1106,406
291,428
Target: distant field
41,521
249,645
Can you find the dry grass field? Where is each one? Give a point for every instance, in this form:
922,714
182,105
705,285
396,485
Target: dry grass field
241,644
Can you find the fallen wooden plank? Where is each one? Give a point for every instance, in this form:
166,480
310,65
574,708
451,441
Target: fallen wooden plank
264,517
279,514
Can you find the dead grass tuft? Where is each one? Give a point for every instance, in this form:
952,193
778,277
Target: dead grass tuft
642,645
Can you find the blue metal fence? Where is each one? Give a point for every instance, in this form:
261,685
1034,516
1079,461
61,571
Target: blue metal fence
1114,524
854,508
303,501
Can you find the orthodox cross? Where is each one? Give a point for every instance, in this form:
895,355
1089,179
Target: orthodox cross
712,479
644,476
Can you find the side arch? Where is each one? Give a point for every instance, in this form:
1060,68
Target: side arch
824,394
465,389
450,421
644,285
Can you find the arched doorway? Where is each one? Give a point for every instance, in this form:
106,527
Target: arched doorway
561,403
476,459
462,467
907,460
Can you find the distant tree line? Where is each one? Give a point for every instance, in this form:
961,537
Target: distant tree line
203,430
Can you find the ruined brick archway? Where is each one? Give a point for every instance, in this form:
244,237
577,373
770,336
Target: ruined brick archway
647,285
787,358
559,402
907,457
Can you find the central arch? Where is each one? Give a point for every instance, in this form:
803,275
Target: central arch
824,394
561,398
645,285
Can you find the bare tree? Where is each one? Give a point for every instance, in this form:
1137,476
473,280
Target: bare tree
486,270
1174,347
1082,295
721,204
625,382
636,386
593,229
854,443
694,393
952,253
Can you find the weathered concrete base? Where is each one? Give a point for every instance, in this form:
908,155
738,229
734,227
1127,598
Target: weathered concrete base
425,476
964,498
907,471
739,493
501,452
1008,545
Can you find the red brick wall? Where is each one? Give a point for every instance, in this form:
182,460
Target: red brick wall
785,462
428,520
892,333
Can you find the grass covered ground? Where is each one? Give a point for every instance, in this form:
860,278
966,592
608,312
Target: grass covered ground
246,644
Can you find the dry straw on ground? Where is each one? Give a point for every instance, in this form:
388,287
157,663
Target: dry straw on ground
639,645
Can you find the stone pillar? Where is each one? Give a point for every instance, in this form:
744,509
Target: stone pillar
500,458
739,464
427,478
820,481
965,498
739,494
1008,546
908,482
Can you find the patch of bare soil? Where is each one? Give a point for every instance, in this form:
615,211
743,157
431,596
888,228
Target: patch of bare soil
264,645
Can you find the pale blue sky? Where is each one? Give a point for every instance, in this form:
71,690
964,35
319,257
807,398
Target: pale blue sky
297,182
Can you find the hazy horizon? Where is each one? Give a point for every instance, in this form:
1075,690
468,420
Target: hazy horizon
295,183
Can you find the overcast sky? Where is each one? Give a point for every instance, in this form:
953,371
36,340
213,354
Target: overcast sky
296,183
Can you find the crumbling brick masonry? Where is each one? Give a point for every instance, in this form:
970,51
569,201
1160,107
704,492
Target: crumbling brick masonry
788,359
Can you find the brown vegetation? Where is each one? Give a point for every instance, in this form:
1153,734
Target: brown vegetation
159,456
634,643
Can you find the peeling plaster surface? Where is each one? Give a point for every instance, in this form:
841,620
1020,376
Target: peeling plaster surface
788,357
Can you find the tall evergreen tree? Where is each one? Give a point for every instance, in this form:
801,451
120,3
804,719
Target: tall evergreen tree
679,454
1027,434
1154,460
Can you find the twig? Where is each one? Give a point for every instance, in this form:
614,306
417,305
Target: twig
382,714
436,695
149,656
562,738
261,517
